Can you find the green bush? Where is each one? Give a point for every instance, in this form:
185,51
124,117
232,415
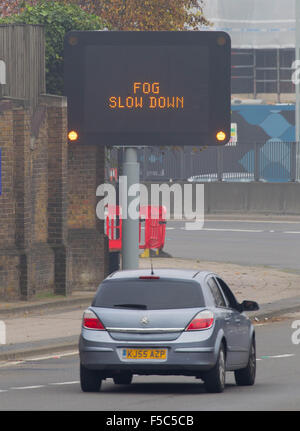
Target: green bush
58,19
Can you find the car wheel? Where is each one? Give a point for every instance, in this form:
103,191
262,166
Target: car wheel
90,380
246,376
214,379
123,379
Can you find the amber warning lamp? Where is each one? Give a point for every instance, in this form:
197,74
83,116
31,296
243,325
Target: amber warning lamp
221,136
73,136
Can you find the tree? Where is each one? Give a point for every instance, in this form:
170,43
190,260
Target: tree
153,15
149,15
142,15
58,18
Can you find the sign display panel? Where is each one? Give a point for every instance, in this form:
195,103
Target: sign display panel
140,88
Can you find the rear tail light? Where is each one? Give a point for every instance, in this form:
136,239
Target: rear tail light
203,320
91,321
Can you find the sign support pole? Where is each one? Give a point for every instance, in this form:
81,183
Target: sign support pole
130,226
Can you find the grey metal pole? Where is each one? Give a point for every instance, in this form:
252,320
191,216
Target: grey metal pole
256,162
293,151
278,74
130,226
220,163
297,107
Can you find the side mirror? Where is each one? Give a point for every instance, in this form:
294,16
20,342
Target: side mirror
249,306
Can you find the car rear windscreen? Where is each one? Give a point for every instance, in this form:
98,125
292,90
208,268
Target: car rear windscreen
149,294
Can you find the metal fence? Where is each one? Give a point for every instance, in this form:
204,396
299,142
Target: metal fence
22,49
272,161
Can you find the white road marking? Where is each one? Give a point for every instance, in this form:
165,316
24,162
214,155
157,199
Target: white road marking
250,221
65,383
5,364
228,230
27,387
39,386
286,355
241,230
40,358
54,356
235,230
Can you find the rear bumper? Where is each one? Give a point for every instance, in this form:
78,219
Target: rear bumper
185,357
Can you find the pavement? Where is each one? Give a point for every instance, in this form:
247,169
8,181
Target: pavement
51,324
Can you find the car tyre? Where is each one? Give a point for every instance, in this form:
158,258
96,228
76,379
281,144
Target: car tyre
214,379
90,380
123,379
246,376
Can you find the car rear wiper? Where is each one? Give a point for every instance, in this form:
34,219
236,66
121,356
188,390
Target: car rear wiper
139,306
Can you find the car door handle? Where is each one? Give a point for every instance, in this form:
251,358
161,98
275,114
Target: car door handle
237,320
227,319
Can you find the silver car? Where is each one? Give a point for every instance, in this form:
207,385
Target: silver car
166,322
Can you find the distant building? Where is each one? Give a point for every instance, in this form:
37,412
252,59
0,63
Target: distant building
263,46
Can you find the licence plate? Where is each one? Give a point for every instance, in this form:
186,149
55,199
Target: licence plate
148,354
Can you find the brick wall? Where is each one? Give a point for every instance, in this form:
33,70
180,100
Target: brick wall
43,245
57,188
27,260
50,238
9,257
88,263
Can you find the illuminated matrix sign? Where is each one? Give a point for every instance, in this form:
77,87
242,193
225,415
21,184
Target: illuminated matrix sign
148,88
153,101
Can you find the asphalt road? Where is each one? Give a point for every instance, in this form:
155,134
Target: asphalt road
53,384
274,244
